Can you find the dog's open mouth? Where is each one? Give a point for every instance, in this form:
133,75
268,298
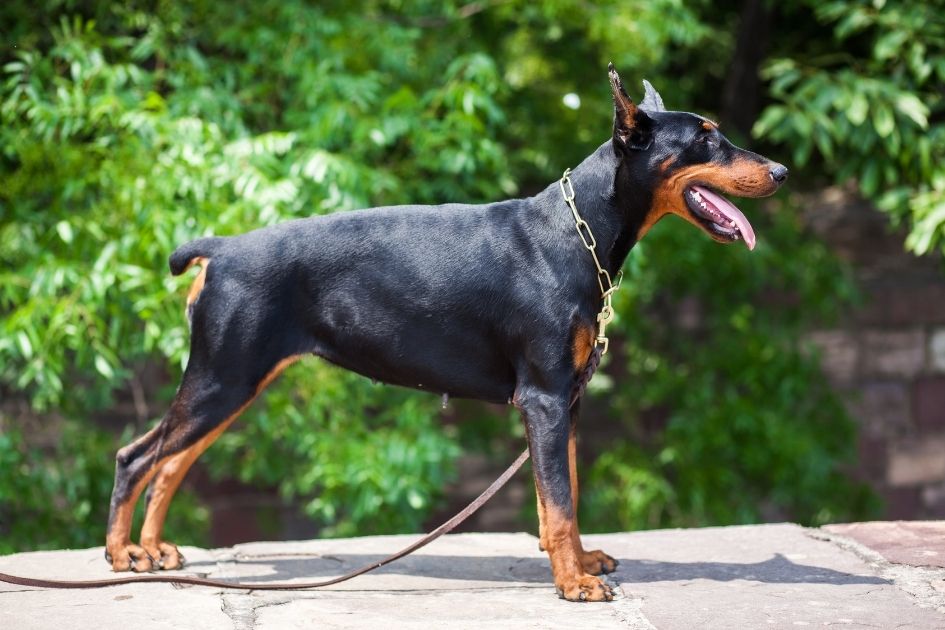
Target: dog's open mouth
720,218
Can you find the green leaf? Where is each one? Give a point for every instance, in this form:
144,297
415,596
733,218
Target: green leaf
414,499
912,107
869,179
26,347
883,120
65,231
103,367
858,109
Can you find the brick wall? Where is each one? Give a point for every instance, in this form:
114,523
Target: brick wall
887,356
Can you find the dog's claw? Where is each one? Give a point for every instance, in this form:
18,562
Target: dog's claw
597,562
165,555
142,564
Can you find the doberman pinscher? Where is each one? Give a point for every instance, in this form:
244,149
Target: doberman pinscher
495,302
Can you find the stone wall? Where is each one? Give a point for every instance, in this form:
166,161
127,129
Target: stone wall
887,356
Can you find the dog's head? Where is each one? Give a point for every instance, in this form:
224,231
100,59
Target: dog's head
685,163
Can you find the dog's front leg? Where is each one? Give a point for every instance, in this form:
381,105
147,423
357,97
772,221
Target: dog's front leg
548,425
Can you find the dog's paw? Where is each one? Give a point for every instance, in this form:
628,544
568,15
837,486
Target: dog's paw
129,557
597,562
584,588
164,555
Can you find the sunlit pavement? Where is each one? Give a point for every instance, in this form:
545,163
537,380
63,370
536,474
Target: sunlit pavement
766,576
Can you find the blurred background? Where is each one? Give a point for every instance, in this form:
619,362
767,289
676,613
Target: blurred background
804,381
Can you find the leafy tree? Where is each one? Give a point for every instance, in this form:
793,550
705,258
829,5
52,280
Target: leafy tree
867,104
129,128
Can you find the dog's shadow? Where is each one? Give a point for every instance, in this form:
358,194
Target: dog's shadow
776,570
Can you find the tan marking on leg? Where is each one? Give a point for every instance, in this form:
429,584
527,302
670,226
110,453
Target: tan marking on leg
596,561
165,485
582,346
174,469
571,580
542,529
572,468
118,540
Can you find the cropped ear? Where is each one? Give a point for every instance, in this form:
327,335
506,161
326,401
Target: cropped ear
652,101
632,127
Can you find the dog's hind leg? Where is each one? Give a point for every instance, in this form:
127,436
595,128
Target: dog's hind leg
213,393
172,472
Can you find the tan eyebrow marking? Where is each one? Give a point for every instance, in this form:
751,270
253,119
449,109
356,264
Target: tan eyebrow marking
708,125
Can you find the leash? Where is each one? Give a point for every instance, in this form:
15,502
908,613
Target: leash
592,364
605,316
284,586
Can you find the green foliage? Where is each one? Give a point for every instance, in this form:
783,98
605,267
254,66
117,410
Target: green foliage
129,128
346,448
59,495
874,110
752,430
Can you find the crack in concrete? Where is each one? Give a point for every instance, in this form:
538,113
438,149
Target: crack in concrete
239,607
628,610
241,611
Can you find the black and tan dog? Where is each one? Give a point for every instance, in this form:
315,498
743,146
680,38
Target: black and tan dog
495,302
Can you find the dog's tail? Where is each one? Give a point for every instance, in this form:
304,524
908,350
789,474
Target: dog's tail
188,254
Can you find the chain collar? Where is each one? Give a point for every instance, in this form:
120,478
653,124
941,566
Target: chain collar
607,288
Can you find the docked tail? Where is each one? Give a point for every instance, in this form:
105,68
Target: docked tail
185,255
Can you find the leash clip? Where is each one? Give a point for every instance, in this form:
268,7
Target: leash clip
604,318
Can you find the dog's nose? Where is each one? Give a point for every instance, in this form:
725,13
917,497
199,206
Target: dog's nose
778,173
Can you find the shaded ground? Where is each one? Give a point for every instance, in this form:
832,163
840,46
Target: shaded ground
766,576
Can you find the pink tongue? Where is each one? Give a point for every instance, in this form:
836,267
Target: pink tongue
724,206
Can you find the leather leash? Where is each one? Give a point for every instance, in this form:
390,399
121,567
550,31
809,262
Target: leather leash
592,363
283,586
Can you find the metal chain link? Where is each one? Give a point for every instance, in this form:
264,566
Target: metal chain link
607,288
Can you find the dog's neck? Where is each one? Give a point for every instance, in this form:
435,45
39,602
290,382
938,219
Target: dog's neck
609,198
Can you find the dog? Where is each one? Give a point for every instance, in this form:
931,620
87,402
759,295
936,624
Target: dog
496,302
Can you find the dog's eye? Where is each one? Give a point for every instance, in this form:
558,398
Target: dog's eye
707,137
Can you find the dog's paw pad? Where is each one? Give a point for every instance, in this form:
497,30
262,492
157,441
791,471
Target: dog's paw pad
584,588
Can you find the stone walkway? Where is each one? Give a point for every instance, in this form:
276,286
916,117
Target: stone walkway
765,576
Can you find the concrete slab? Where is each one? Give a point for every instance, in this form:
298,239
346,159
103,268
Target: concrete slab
760,576
769,576
151,606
